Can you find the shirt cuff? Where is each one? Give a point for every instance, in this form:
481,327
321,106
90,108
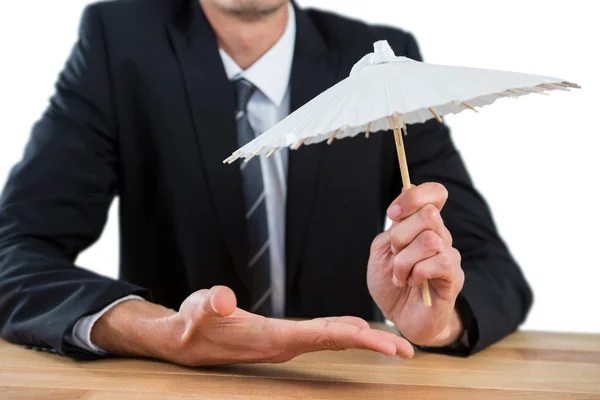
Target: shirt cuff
82,330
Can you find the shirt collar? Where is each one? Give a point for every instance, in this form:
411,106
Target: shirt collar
270,73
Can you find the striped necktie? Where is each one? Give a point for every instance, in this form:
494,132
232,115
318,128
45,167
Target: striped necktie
259,262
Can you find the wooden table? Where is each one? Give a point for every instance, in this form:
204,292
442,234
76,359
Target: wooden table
525,365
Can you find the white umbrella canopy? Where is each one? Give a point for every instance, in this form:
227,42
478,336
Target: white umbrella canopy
382,85
385,92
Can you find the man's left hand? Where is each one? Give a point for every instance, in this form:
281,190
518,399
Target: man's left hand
418,247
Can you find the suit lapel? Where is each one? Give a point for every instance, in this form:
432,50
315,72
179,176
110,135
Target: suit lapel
315,69
211,101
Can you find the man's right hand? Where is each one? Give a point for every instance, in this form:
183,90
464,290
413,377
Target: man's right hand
209,329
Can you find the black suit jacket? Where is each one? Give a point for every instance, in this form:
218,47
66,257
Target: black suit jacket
143,110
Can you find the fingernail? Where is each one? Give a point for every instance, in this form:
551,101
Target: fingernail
395,281
394,212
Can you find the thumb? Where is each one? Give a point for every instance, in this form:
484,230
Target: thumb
218,301
221,302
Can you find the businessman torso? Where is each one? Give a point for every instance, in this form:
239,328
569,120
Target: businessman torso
181,208
143,110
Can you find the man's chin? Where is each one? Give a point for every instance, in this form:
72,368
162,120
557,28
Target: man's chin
251,10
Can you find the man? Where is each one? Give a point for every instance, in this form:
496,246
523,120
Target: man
154,96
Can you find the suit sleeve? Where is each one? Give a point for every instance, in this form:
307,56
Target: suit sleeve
495,298
55,203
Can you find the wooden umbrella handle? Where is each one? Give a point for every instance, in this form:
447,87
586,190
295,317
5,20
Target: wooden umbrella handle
406,186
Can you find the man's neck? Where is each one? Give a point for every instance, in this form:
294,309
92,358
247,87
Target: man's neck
246,40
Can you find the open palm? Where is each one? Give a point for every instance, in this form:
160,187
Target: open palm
211,330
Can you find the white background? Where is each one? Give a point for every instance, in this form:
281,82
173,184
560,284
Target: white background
535,159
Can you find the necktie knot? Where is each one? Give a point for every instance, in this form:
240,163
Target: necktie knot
243,91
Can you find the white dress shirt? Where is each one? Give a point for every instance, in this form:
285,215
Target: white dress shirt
270,74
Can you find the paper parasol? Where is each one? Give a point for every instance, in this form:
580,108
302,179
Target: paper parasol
385,92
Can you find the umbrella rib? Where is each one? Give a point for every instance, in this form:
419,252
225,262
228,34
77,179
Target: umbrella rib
561,86
232,157
546,86
470,106
525,90
249,158
332,137
257,152
535,91
297,145
272,151
509,95
569,84
436,115
513,91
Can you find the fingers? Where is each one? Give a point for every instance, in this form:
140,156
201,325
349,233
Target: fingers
410,201
427,244
403,348
443,266
323,334
381,244
385,343
427,218
355,321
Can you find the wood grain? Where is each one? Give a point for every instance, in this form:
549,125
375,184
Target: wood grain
17,393
525,365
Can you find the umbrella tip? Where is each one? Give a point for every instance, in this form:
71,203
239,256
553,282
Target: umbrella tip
383,47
